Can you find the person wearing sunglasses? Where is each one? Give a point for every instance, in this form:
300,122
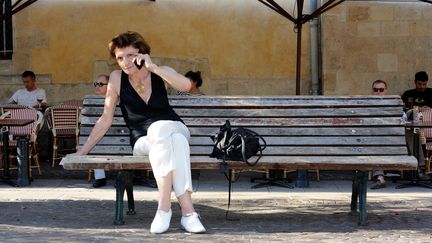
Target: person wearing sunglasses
101,86
379,87
421,95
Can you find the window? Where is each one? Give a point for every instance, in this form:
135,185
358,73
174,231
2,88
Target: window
6,40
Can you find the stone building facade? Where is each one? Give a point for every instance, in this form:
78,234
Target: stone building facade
241,47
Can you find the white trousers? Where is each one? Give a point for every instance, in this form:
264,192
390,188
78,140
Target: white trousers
167,145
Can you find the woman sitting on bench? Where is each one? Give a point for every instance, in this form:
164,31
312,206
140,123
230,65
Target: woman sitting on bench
156,130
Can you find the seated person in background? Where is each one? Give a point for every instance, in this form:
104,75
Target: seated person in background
196,81
30,95
421,95
100,85
379,87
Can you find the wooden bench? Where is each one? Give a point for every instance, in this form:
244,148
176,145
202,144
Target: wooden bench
359,133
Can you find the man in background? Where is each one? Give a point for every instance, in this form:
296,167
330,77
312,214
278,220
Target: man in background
421,95
30,95
101,84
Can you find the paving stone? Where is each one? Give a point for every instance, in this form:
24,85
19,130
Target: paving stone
66,210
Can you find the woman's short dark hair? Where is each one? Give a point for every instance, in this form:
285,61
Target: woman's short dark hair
130,38
195,76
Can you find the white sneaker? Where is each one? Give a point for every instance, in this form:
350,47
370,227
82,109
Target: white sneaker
192,224
161,222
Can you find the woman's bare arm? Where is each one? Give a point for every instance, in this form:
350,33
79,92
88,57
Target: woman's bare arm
104,122
173,78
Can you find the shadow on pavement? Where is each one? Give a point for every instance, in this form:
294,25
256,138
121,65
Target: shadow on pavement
253,216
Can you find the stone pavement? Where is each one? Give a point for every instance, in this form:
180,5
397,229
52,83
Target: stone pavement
68,210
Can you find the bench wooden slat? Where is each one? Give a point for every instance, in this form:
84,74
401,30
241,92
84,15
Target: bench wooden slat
92,97
278,150
280,140
283,162
271,122
274,101
277,131
308,112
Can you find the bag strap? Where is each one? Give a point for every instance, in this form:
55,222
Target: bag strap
244,156
229,192
226,136
260,137
260,148
224,169
228,124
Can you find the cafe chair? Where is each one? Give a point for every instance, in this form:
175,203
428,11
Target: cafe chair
30,131
4,109
73,102
63,121
79,104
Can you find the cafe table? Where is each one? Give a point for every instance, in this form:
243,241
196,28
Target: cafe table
415,179
22,151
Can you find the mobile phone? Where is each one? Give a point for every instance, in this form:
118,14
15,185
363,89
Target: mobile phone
139,66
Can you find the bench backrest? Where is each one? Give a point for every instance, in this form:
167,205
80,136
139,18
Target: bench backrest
291,125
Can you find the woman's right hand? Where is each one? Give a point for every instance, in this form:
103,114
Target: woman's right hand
77,153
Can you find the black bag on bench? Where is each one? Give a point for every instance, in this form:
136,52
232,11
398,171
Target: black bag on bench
239,144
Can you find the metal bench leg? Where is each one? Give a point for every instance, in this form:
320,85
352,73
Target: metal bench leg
354,195
123,182
362,187
302,179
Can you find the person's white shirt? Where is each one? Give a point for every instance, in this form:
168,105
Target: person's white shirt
28,98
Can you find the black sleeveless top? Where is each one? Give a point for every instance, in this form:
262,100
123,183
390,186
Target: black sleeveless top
137,114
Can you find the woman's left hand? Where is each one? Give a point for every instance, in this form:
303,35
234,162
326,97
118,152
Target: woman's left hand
140,58
176,80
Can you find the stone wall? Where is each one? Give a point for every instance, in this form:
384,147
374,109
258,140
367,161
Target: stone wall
241,47
365,41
